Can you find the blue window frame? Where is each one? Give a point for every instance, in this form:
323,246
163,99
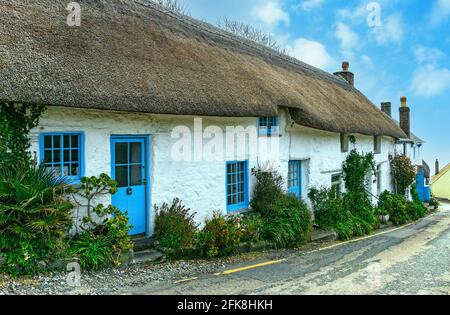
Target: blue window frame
237,185
63,154
268,126
295,178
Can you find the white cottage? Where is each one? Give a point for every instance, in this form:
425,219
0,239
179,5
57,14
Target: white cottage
173,107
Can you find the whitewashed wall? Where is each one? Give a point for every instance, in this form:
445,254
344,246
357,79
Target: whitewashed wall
201,184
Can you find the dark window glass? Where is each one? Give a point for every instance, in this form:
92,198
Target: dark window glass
121,153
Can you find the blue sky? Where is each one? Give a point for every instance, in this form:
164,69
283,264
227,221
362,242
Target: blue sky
408,54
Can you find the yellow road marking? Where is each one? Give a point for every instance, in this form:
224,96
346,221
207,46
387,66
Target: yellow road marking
185,280
231,271
361,238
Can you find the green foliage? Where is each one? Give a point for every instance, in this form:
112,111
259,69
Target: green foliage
333,211
220,236
16,121
34,217
399,209
286,220
434,203
175,226
403,173
350,214
252,226
108,230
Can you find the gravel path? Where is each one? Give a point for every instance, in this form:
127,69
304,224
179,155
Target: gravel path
108,281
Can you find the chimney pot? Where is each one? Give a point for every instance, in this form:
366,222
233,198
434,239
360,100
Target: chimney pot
345,74
345,66
404,100
438,170
386,107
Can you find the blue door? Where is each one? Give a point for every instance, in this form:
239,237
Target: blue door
295,178
129,169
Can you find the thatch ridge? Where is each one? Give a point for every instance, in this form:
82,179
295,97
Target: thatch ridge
133,55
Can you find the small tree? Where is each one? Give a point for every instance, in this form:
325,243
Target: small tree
16,122
403,173
251,33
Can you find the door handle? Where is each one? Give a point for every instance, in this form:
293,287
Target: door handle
129,191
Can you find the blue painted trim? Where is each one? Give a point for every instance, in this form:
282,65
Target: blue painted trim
297,189
146,140
73,180
243,205
268,123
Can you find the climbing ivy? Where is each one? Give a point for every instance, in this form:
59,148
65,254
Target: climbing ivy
16,121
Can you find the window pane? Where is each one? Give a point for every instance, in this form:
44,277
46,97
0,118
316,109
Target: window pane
136,152
75,154
48,156
66,155
57,156
136,175
75,141
74,169
122,176
66,170
47,142
66,142
57,142
121,153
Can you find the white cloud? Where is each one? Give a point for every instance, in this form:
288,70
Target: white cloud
367,62
428,54
429,81
271,13
346,36
440,12
392,30
311,52
308,5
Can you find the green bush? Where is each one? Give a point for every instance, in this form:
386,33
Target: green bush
34,218
285,219
434,203
335,212
403,173
252,226
106,236
175,226
219,237
400,210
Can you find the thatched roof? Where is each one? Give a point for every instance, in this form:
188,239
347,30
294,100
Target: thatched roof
132,55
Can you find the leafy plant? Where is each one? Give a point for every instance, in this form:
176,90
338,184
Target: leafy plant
34,217
106,226
219,237
400,209
403,173
175,226
434,203
16,121
252,226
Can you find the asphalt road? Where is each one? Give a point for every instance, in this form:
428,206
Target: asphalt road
411,260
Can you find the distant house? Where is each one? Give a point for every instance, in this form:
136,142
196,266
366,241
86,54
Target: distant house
173,107
411,147
440,183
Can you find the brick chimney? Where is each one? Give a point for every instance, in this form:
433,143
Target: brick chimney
347,75
438,170
386,107
405,120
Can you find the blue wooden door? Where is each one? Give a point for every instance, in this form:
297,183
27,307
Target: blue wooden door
129,169
295,178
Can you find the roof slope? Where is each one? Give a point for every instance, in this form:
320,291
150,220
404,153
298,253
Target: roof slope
444,171
133,55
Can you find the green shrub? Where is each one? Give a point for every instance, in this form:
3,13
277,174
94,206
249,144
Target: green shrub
219,237
34,218
287,221
175,226
434,203
335,212
252,226
105,237
403,173
268,189
400,210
